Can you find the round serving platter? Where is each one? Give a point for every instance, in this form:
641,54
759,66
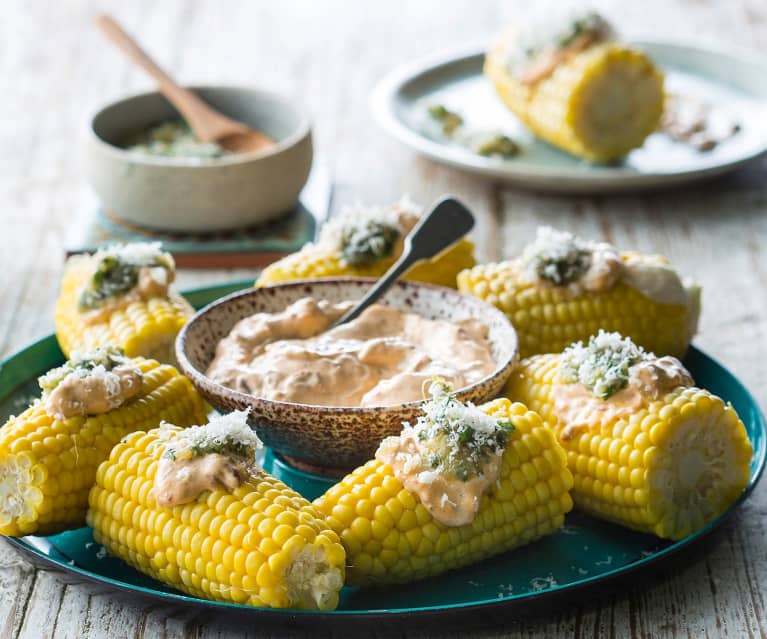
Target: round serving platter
732,82
586,553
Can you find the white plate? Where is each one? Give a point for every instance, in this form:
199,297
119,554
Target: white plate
735,83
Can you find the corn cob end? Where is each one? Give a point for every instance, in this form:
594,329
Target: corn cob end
20,494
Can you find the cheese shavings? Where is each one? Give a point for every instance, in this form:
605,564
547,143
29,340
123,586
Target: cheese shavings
558,257
364,235
557,33
457,438
96,363
118,269
602,365
225,434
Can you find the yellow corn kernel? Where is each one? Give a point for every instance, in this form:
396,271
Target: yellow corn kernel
314,262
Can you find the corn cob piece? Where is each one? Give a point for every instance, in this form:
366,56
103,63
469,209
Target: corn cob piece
259,544
48,463
550,315
365,243
140,323
390,535
587,94
666,465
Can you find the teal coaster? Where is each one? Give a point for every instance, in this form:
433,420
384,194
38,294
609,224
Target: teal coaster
248,247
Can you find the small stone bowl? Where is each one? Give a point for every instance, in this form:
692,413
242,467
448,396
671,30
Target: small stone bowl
187,194
330,440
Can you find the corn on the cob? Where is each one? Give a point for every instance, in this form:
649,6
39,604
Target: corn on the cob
391,536
365,243
142,319
585,93
259,544
48,462
550,314
664,463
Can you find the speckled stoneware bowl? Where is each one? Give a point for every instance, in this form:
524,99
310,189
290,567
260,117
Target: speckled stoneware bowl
333,437
183,194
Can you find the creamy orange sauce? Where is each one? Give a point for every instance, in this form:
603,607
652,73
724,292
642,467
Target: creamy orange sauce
93,394
651,275
579,409
153,281
381,358
184,480
448,499
605,270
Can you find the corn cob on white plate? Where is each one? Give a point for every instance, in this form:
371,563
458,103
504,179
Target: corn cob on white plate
586,552
731,82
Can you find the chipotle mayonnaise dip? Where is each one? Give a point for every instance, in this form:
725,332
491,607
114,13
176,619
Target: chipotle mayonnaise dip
381,358
94,394
180,481
610,378
450,457
450,500
219,455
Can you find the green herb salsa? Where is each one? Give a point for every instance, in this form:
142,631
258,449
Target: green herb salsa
174,139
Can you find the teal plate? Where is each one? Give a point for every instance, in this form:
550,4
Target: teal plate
585,553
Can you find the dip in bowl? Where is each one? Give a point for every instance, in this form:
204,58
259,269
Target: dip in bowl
191,189
335,437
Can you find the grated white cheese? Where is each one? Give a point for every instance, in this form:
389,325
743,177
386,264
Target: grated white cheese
222,433
602,365
139,253
331,236
456,437
444,500
466,414
411,462
561,258
97,363
428,476
552,243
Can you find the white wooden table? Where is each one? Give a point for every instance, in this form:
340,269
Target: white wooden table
55,69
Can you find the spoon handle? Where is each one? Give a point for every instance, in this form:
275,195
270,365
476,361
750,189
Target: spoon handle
195,111
446,223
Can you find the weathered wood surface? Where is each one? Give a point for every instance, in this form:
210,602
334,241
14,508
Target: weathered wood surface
55,70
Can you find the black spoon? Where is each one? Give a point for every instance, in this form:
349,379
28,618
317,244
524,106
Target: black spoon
446,223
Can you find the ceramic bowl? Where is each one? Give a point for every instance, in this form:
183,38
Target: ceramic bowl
178,194
329,437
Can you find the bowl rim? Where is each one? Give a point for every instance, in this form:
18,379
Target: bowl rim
302,131
200,378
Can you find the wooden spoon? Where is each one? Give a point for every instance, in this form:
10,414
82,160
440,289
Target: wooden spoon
207,123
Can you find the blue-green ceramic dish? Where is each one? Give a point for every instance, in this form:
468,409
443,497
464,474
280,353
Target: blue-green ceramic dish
586,553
